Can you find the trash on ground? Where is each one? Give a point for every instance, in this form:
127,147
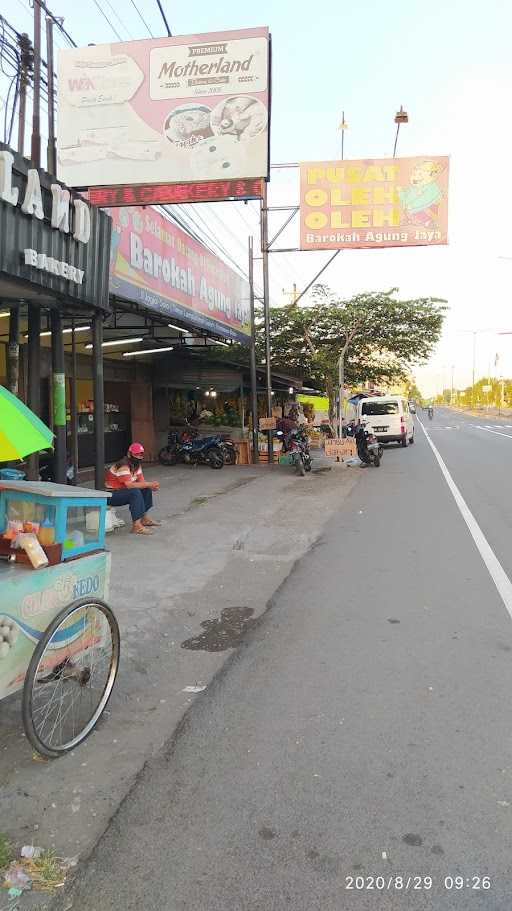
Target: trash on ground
16,878
31,852
43,872
193,689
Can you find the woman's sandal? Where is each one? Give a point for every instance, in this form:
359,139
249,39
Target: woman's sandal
150,523
141,531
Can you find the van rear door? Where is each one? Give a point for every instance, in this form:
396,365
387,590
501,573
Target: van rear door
382,416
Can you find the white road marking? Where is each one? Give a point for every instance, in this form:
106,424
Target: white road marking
494,567
497,432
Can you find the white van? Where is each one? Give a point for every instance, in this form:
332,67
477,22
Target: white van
389,417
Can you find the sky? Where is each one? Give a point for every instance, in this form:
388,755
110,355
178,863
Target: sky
448,63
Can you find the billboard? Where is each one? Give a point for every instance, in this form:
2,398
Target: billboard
187,108
385,202
160,267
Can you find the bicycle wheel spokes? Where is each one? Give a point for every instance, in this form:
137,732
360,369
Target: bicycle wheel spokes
71,677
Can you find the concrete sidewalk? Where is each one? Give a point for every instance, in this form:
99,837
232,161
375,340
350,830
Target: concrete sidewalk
183,598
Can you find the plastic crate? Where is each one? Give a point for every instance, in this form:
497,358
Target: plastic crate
11,474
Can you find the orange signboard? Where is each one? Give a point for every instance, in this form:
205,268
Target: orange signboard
385,202
337,448
267,423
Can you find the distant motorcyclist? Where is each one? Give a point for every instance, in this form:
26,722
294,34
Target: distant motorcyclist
431,411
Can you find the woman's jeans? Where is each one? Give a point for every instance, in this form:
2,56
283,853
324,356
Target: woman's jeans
139,499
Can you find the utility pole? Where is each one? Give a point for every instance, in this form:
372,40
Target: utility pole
51,150
254,378
266,309
35,149
26,68
34,310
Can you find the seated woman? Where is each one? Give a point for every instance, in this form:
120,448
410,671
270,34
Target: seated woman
126,481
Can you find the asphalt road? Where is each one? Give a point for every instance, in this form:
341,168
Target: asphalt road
359,742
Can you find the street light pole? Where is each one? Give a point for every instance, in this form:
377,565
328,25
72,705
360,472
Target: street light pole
401,116
474,358
343,127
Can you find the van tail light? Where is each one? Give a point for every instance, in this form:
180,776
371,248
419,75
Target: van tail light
402,421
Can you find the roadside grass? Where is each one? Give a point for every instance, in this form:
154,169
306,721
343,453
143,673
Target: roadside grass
6,851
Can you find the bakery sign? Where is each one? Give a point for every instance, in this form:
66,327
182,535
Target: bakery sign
51,235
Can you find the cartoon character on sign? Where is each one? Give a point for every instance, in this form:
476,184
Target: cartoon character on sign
420,200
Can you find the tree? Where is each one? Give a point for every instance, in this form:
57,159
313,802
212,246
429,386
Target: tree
380,335
413,393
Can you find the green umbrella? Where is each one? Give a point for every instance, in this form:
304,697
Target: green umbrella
21,431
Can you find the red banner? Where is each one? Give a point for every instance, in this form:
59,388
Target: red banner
160,267
160,194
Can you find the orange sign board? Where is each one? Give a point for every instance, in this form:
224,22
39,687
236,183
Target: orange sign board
374,203
267,423
340,449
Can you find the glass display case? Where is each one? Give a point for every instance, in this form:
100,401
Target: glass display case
116,436
73,517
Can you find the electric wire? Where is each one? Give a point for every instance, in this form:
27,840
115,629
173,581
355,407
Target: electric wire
141,17
121,23
103,13
160,7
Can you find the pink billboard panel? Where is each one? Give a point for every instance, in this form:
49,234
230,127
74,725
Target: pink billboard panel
385,202
160,267
165,110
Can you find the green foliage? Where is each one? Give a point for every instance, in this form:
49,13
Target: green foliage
6,852
382,336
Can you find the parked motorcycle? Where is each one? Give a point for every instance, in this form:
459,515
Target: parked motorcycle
229,452
369,450
187,447
47,468
296,446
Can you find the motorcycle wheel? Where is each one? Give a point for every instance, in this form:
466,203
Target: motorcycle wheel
376,461
215,457
230,455
167,456
301,467
307,465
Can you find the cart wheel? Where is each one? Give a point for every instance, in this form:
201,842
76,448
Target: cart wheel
70,677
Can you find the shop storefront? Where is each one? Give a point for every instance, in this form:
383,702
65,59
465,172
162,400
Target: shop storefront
54,267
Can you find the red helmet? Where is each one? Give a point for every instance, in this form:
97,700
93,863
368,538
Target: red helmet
136,450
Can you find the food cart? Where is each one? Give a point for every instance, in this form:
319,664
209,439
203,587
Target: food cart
59,639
